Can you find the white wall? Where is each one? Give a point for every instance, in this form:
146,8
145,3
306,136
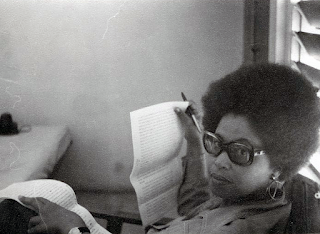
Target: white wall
87,64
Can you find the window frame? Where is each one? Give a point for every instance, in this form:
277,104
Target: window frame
280,43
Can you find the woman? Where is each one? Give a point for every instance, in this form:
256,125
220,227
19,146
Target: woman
260,127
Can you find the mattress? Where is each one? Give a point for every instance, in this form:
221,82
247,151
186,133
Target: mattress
32,154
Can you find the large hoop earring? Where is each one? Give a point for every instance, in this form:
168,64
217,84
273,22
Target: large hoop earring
275,189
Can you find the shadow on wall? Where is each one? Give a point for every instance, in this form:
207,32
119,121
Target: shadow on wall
87,64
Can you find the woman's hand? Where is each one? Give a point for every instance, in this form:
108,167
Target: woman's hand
52,218
194,160
192,134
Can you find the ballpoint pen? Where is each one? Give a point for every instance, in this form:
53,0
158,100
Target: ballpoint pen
189,112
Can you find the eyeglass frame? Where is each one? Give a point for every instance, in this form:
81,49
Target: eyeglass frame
225,147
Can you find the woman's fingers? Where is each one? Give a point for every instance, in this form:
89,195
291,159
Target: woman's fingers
52,217
193,108
31,202
190,130
40,228
183,116
35,203
34,221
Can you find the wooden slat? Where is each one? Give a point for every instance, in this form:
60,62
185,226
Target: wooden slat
314,170
311,73
311,42
311,10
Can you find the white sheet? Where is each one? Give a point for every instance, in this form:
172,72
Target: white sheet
56,192
31,155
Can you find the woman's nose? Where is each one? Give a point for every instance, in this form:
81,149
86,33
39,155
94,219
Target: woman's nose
222,161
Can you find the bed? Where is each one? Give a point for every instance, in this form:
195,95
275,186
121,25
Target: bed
32,154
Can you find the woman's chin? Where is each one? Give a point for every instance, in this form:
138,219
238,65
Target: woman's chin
231,193
223,190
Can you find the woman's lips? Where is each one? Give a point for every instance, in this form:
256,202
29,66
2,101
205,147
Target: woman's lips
220,178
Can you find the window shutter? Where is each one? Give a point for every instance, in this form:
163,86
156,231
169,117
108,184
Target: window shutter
305,54
305,48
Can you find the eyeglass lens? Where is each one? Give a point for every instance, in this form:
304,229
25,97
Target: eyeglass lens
238,153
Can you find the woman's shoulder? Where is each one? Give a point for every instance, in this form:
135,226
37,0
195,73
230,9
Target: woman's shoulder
304,194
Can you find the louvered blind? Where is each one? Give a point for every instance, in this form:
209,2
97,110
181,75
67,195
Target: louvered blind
305,49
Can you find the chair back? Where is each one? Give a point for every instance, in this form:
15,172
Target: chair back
304,195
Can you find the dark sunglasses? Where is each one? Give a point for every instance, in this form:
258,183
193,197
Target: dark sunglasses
238,153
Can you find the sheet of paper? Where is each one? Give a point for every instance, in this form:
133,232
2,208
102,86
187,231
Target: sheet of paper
157,137
54,191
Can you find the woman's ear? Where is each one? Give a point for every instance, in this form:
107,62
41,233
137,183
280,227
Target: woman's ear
276,173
